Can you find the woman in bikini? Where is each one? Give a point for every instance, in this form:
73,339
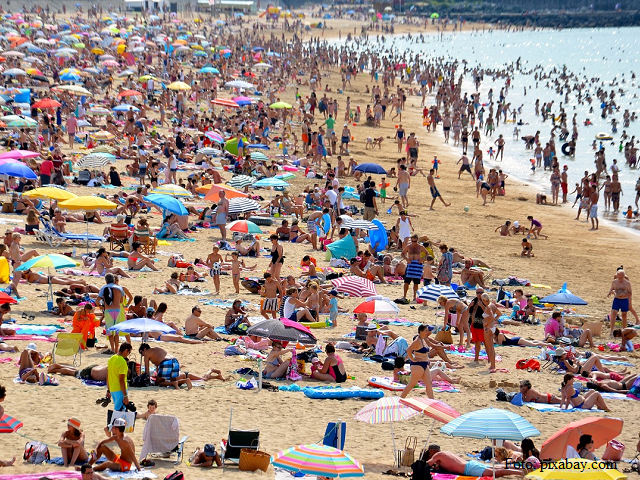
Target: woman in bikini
71,444
489,323
104,264
275,367
461,311
531,395
33,277
501,339
298,236
137,261
418,355
584,401
277,257
618,385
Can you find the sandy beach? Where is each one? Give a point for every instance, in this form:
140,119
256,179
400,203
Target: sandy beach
586,260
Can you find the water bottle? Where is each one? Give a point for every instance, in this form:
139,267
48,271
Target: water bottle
74,252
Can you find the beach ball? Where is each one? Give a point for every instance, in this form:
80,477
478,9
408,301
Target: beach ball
466,208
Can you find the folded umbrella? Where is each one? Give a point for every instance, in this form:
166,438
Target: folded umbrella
283,330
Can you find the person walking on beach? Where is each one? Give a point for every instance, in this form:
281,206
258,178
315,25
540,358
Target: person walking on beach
500,143
621,290
593,207
402,185
222,212
117,370
435,194
414,254
564,183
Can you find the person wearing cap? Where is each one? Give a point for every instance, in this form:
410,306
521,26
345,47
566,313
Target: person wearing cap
115,462
29,358
71,443
206,457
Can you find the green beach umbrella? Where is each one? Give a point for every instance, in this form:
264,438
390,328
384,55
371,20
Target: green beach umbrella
231,145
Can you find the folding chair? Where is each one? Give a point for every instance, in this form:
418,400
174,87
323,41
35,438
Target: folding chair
237,440
118,236
335,435
147,244
68,345
55,238
161,435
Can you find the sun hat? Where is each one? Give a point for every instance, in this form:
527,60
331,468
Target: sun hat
516,224
210,450
33,347
74,422
559,352
371,327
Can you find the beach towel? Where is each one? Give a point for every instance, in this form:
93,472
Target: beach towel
342,248
80,273
27,337
6,360
544,407
616,396
43,330
443,387
94,383
186,291
57,475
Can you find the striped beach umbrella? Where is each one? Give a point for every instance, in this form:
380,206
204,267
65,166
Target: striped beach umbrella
270,182
212,152
9,424
386,409
349,222
491,423
439,411
355,286
171,189
241,181
319,460
432,292
102,135
378,304
214,137
259,156
225,102
95,160
242,205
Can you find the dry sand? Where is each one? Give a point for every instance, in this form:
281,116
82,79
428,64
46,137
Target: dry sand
573,254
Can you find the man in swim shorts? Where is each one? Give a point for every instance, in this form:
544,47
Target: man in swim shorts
168,366
115,462
447,462
402,184
222,211
621,290
414,254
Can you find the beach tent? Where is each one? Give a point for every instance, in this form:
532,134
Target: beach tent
378,238
342,248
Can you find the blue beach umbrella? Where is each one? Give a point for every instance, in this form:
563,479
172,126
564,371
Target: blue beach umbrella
270,182
141,326
17,169
70,77
371,168
125,108
261,146
209,70
563,297
167,202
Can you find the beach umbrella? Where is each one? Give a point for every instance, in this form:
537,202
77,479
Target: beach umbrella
142,326
13,72
12,53
563,297
377,304
74,90
54,193
439,411
358,224
168,203
19,154
46,104
602,430
243,101
88,203
129,93
239,84
98,111
432,291
213,152
270,182
225,102
95,160
580,469
260,146
18,121
242,205
9,424
285,176
178,86
241,181
231,145
125,107
280,105
49,261
435,15
213,190
320,460
70,77
244,226
355,286
5,298
17,169
262,65
102,135
284,330
373,168
103,149
11,91
209,70
171,189
214,137
259,156
386,410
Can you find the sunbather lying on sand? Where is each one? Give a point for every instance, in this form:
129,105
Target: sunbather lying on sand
531,395
614,386
447,462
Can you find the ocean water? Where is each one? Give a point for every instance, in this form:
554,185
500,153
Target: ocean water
609,54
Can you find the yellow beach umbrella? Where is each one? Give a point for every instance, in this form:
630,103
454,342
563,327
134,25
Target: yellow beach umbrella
178,86
102,135
88,203
171,189
54,193
97,51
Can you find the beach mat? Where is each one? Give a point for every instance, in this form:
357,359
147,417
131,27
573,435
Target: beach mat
27,338
544,407
43,330
57,475
451,476
616,396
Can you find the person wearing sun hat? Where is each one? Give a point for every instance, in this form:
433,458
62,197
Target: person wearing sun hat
205,457
115,462
71,443
29,358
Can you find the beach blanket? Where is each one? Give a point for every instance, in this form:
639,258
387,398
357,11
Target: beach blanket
186,291
226,304
616,396
616,362
545,407
76,272
44,330
27,337
94,383
443,387
6,360
165,241
470,354
451,476
57,475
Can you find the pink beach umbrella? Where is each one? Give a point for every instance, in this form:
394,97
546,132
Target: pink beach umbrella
19,154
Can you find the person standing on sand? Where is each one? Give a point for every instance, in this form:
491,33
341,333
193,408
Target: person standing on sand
621,290
465,167
564,183
222,212
616,192
435,194
412,147
402,185
414,254
593,207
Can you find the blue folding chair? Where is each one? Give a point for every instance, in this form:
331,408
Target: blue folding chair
331,435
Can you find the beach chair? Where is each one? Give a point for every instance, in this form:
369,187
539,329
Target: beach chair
237,440
68,345
118,236
335,435
54,238
147,243
161,435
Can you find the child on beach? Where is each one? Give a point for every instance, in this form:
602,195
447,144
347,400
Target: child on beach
152,406
214,262
383,189
333,308
527,248
427,272
236,265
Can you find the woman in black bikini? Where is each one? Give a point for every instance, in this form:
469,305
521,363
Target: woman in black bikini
418,355
277,257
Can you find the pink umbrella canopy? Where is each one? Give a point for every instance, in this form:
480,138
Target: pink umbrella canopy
18,154
355,286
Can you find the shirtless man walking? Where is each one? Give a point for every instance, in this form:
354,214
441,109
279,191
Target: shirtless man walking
115,462
621,290
195,327
593,208
272,291
414,254
168,366
435,194
222,212
412,147
402,184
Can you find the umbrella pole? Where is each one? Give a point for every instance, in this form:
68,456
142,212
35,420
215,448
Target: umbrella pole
426,443
395,453
87,238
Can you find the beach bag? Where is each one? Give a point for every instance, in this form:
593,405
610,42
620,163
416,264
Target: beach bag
614,451
174,259
408,455
36,453
444,336
252,460
420,470
528,364
129,418
175,476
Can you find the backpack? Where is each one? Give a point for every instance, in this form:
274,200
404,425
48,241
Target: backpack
175,476
36,453
421,470
362,196
140,381
174,259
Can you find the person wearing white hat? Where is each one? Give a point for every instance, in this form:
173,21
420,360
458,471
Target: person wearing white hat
517,228
29,358
115,462
71,443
